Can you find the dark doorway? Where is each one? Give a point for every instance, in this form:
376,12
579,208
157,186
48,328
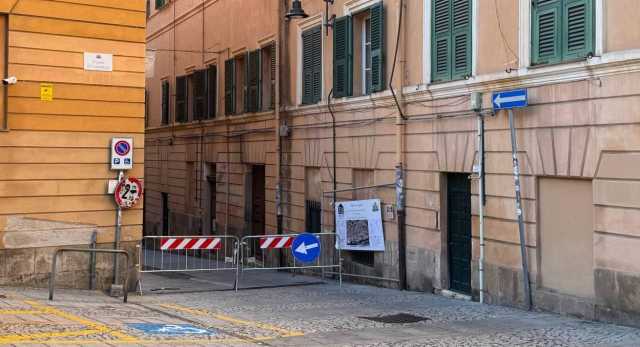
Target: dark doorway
459,232
165,214
257,200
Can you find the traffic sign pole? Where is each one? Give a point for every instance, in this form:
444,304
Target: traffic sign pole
117,234
519,214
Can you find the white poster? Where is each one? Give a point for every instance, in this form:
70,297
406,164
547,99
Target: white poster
359,225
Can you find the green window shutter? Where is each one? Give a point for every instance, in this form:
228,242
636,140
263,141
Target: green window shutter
253,78
577,29
246,83
165,102
546,40
160,4
181,99
199,94
441,40
312,65
377,48
342,57
229,87
461,39
212,91
273,76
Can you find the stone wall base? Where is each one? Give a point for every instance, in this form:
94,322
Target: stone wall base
617,295
30,267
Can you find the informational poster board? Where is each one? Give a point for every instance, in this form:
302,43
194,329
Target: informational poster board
359,225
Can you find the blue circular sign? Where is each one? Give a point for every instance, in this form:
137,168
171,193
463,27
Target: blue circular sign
122,148
306,248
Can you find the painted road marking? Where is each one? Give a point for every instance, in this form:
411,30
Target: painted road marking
92,326
265,326
119,337
171,329
20,312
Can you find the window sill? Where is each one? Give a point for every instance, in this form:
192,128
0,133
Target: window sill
530,76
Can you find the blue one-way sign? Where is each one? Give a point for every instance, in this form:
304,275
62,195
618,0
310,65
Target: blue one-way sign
306,248
509,99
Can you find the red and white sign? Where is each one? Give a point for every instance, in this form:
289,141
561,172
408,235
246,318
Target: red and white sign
128,192
190,243
276,242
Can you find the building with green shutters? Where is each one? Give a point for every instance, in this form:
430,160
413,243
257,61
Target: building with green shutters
254,120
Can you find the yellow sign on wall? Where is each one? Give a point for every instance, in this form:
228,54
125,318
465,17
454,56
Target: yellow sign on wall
46,92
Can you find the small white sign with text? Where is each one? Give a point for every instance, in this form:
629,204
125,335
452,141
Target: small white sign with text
98,61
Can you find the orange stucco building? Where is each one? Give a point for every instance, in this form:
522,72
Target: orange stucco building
56,125
240,141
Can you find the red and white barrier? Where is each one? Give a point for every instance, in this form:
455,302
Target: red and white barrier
190,243
276,242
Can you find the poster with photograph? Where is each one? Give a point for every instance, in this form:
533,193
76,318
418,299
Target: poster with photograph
359,225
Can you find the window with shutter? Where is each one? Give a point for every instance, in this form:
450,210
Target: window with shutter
181,99
272,80
212,91
241,83
253,80
267,77
342,57
451,40
377,48
165,103
562,30
229,87
312,65
199,94
160,4
577,29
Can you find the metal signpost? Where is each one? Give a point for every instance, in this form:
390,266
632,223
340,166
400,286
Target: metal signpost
508,100
121,159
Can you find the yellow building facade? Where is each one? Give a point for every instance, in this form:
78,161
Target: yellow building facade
56,125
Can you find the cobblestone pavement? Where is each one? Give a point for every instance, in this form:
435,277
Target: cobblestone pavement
313,315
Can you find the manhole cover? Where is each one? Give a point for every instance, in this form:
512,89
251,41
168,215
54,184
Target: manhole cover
400,318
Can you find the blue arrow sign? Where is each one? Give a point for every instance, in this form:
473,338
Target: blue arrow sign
509,99
306,248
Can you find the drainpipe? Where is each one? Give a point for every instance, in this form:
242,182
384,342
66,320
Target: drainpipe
279,46
402,230
481,202
226,219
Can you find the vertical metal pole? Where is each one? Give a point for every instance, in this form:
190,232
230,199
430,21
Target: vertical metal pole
52,274
481,203
117,236
402,231
519,214
92,261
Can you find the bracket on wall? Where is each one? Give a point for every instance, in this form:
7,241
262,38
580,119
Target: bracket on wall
329,20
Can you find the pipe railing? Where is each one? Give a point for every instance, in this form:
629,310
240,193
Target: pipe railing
52,275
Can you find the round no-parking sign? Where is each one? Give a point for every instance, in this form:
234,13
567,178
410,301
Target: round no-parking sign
128,192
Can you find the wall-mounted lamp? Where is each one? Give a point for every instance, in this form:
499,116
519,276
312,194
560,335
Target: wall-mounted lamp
296,11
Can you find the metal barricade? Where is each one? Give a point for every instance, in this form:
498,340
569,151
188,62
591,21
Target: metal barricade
274,252
160,254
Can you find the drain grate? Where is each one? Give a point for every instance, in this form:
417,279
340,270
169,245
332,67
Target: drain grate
400,318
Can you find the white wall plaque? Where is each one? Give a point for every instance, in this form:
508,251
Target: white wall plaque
98,61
